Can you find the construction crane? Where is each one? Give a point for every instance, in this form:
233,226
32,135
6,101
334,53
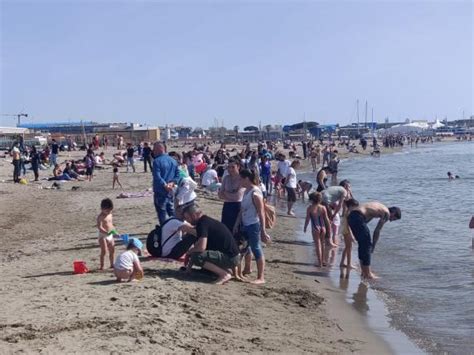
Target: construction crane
18,116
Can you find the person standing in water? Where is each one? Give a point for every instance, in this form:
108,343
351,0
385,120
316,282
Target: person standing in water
320,226
358,219
291,184
349,205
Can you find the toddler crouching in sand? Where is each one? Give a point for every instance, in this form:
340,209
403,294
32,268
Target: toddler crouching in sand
106,232
127,266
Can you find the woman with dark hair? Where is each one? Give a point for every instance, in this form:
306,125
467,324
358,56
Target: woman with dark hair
349,205
251,221
253,163
183,168
59,174
265,172
322,178
231,192
291,184
35,161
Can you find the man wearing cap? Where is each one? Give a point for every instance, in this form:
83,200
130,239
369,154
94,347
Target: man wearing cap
215,248
165,176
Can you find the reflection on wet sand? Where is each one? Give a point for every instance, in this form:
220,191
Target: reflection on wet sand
360,298
329,257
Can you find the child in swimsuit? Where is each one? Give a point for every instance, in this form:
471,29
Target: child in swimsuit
320,225
347,233
106,232
116,177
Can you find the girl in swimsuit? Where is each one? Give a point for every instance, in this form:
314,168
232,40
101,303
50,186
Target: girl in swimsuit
317,214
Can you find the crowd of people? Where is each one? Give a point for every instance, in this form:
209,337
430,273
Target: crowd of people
245,180
227,247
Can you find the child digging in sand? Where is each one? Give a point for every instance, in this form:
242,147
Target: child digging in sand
127,266
320,225
106,232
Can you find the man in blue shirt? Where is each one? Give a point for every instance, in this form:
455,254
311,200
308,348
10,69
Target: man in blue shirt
165,176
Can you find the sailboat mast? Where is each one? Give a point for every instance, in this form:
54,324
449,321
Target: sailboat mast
357,116
365,123
372,119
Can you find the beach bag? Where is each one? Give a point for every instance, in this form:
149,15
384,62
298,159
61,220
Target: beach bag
154,243
270,215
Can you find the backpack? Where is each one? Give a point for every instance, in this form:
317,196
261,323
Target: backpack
153,241
270,215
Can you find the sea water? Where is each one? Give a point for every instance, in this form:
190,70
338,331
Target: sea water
425,260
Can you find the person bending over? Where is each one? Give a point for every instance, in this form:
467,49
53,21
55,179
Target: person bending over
358,219
127,266
215,249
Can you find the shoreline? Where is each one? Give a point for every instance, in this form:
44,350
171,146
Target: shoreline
392,318
362,315
52,310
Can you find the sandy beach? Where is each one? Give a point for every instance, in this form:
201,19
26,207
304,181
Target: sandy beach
49,309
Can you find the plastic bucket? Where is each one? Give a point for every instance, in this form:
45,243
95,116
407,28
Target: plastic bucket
125,238
185,259
80,267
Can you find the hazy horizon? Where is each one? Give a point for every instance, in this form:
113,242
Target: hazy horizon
190,63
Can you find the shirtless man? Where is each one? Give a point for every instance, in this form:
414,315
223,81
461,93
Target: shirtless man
358,219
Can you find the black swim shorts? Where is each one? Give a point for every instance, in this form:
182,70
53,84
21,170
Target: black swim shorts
356,221
291,194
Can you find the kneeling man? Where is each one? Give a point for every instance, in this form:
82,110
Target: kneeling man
215,248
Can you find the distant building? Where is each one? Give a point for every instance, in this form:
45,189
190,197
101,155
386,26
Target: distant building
131,132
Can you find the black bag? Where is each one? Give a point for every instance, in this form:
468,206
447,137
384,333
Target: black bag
153,241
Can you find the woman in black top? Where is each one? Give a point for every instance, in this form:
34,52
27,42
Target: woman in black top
35,162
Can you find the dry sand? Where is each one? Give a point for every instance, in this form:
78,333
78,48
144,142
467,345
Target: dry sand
48,309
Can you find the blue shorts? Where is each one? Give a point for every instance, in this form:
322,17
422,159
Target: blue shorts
358,225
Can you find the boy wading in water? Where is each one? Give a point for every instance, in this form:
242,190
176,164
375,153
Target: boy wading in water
320,225
358,219
106,232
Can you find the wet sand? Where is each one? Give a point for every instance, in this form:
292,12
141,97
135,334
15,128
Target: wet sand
47,308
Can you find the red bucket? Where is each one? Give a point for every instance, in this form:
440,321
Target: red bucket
185,259
80,267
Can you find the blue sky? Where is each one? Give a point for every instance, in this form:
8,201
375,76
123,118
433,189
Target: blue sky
240,62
